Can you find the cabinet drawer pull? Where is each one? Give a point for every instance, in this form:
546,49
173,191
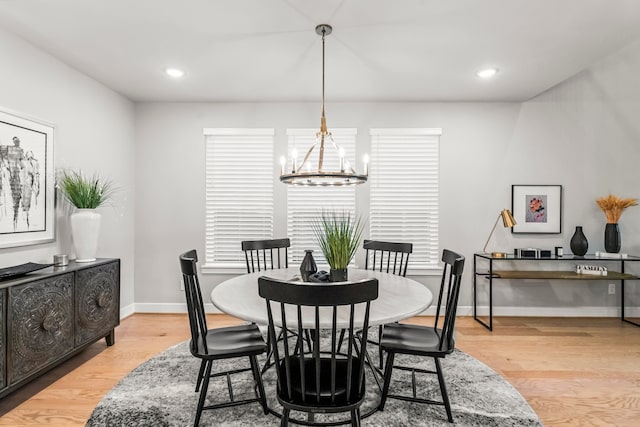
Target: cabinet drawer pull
103,300
49,323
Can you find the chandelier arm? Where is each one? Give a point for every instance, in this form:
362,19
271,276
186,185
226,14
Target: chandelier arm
321,152
336,147
306,157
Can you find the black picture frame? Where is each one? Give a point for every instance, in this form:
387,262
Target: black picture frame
27,187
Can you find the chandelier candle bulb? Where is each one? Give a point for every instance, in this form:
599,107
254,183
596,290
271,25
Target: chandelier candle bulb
341,154
365,160
283,163
294,154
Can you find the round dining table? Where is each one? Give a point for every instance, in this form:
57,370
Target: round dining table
398,297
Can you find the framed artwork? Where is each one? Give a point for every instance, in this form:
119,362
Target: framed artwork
537,208
27,178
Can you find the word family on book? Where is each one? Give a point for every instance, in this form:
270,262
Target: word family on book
596,270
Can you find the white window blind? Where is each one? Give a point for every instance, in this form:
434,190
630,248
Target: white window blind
304,204
403,185
239,193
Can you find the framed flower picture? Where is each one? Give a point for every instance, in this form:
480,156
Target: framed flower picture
537,208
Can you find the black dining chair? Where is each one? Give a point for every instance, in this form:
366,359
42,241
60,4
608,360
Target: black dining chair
318,381
388,257
436,341
269,254
210,345
266,254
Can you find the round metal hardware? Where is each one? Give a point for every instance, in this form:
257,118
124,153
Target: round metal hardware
326,27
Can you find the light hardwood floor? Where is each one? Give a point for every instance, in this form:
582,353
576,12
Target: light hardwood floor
572,371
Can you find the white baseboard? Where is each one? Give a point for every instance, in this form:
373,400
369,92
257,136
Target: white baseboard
171,308
127,311
462,310
544,311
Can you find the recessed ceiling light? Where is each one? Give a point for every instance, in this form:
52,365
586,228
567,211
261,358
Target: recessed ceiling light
174,72
487,73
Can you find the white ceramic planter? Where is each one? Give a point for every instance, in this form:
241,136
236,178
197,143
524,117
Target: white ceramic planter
85,230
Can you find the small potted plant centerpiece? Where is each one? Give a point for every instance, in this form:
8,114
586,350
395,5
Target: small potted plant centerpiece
85,194
338,235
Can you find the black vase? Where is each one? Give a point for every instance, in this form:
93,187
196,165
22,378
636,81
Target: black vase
612,238
308,265
579,244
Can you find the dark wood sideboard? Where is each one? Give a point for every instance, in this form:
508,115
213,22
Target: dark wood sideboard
50,315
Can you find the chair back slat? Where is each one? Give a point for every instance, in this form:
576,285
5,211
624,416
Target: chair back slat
334,319
365,335
271,330
451,279
195,304
335,379
287,358
389,257
350,349
300,348
268,254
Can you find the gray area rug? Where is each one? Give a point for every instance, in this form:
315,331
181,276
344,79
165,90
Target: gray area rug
160,392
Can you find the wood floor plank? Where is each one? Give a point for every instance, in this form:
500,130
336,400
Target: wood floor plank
572,371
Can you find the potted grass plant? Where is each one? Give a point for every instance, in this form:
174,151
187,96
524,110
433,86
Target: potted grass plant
86,194
338,234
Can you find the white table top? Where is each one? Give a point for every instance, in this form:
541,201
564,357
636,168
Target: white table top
398,297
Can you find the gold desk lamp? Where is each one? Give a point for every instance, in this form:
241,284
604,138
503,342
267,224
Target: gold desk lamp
509,221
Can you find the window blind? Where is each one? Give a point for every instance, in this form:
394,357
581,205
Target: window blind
304,204
239,192
404,191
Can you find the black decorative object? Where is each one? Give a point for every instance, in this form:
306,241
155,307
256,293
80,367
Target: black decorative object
21,270
612,240
308,265
338,275
579,244
319,277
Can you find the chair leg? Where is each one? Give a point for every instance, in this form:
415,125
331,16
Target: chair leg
203,392
355,418
342,332
380,352
443,390
284,421
258,379
387,380
202,366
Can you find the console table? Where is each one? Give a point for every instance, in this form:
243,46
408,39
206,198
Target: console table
486,266
50,315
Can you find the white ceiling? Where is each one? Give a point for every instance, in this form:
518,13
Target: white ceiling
267,50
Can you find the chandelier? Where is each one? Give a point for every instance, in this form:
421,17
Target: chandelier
302,173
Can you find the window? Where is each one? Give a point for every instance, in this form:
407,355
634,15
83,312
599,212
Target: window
239,193
305,203
403,185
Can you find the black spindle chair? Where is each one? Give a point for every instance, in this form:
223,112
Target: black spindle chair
319,381
262,255
210,345
266,254
388,257
436,342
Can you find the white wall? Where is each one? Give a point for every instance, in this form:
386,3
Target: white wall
94,131
581,135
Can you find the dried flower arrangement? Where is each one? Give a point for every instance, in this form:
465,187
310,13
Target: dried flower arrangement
613,206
